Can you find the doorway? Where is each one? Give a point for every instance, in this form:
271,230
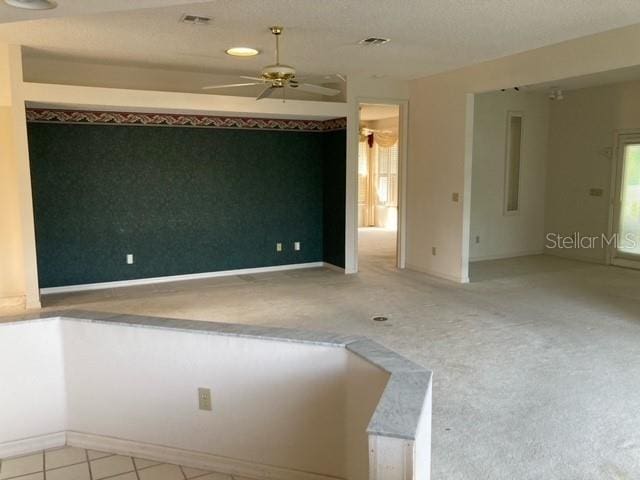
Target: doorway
625,250
379,165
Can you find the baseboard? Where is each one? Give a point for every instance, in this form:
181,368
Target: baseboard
506,255
438,275
331,266
33,444
178,278
17,301
205,461
577,258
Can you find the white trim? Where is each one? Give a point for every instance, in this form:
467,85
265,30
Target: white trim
466,188
507,255
438,275
179,278
626,263
507,163
16,301
188,458
331,266
25,446
351,227
562,253
621,139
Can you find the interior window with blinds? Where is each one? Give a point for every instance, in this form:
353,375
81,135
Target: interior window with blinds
387,187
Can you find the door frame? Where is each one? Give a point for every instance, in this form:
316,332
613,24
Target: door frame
621,138
403,149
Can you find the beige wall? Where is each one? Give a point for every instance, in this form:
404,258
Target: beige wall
18,272
41,70
441,138
581,136
506,235
11,268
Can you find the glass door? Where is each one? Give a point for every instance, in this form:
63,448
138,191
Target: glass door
627,203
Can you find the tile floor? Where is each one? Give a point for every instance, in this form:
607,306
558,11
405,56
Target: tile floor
70,463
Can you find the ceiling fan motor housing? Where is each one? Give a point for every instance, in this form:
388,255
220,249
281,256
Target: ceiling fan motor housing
278,74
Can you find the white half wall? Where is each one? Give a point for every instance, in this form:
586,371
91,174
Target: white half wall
504,235
277,405
32,384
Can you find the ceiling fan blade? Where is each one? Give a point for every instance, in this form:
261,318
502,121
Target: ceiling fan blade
259,79
267,92
310,88
231,85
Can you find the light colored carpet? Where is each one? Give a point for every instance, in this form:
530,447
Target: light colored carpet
536,362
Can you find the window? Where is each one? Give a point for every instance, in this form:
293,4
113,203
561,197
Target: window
387,187
363,172
513,151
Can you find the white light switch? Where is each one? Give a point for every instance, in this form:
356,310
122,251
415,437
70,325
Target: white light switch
278,247
296,246
129,258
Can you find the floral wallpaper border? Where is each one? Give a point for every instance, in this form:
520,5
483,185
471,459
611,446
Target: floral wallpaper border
181,120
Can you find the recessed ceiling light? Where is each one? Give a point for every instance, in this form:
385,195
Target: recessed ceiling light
32,4
242,52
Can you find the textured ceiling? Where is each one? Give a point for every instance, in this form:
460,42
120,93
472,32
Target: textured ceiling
428,36
81,7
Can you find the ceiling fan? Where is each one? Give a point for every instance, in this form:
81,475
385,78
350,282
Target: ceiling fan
279,77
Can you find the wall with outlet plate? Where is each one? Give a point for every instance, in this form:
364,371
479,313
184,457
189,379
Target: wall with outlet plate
494,233
441,137
297,409
182,200
582,133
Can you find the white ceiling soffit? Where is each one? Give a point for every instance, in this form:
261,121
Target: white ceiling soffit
321,37
370,112
610,77
67,8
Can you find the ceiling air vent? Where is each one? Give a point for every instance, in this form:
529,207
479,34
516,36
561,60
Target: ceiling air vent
195,19
374,41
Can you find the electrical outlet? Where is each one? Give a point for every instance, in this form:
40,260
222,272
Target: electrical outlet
477,238
433,251
204,398
296,246
596,192
278,247
129,258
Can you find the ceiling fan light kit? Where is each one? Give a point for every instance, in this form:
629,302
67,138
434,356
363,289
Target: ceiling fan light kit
32,4
277,76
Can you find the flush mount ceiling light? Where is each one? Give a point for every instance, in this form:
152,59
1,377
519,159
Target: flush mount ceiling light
242,52
32,4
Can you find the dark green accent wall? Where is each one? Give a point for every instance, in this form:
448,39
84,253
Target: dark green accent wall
182,200
334,188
